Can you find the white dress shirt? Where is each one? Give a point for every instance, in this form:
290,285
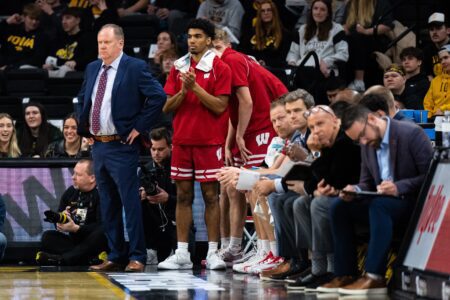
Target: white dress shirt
106,122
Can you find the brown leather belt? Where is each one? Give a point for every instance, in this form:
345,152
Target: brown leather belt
107,138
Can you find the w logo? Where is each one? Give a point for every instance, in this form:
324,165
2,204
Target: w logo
219,153
262,138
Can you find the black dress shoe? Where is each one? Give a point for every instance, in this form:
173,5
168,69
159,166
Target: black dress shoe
47,259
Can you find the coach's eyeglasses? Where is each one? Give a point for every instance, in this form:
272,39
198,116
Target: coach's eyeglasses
316,109
362,133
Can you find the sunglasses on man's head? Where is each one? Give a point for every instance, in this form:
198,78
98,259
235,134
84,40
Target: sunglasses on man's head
316,109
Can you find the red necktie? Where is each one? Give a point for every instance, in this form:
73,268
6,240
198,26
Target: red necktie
99,99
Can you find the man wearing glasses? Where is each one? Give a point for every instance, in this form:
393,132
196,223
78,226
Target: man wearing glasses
395,157
337,166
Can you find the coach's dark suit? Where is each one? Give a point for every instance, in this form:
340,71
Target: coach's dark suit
410,155
136,102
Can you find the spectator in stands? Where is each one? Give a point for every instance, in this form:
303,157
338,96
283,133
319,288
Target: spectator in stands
8,139
96,13
51,17
396,172
269,42
74,49
225,13
23,43
131,7
333,87
173,14
166,60
339,10
72,145
437,99
36,133
417,83
324,37
158,209
3,241
367,22
395,80
439,32
82,237
165,40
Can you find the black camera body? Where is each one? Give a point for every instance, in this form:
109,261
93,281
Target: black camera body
60,217
149,180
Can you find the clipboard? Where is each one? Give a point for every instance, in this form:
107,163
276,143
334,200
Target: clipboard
367,194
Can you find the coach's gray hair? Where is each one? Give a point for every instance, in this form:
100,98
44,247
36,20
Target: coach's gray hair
302,94
118,31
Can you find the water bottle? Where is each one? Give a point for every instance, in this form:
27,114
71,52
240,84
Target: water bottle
446,130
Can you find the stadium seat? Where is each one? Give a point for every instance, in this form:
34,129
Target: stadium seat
26,82
67,86
139,30
12,106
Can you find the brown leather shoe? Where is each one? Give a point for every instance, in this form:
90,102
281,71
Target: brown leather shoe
283,267
365,286
107,266
135,266
334,285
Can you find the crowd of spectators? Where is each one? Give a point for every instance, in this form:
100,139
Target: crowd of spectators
335,122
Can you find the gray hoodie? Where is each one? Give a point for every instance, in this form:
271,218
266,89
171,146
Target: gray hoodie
229,14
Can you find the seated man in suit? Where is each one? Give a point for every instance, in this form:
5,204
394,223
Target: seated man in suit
395,157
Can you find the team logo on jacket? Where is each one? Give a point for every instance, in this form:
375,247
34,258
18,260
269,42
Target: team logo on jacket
206,76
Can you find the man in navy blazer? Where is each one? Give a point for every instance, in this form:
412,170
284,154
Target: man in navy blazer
119,100
395,157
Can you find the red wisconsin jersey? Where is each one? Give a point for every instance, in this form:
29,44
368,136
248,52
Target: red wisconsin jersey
264,88
193,123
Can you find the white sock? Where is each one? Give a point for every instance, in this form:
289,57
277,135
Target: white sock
235,244
212,247
274,247
265,245
182,246
259,247
224,242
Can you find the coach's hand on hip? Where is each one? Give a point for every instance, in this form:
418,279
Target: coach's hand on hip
133,134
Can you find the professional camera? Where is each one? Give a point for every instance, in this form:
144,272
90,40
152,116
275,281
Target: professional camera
149,180
59,217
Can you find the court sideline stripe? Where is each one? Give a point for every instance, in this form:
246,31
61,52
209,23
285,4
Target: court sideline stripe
111,286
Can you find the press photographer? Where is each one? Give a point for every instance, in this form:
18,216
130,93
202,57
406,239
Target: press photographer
158,195
79,237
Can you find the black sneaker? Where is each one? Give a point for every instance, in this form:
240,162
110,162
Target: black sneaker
293,278
302,283
321,280
47,259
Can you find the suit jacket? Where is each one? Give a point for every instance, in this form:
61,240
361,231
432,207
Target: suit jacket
410,156
136,100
